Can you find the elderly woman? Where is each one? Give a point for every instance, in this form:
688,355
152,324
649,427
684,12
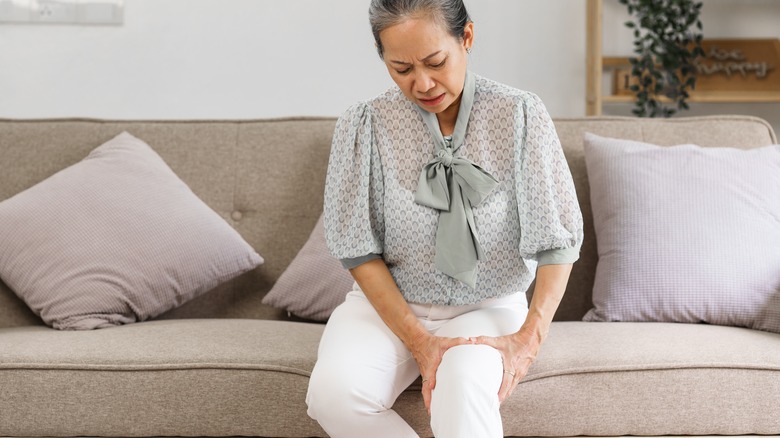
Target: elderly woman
445,197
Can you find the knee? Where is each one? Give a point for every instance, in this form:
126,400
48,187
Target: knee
465,400
335,395
469,364
327,395
468,372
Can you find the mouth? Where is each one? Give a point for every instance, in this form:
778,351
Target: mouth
434,101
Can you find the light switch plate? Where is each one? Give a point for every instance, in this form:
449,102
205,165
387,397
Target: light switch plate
78,12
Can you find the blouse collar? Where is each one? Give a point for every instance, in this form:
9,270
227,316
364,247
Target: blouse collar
461,123
453,185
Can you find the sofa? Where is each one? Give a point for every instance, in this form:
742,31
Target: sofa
225,364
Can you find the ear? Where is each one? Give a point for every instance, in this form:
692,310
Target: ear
468,35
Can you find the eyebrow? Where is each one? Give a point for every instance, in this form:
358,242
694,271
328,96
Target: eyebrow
424,59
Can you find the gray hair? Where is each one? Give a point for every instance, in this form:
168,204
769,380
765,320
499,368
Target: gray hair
386,13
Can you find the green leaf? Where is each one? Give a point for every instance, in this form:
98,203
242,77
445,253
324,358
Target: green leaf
667,40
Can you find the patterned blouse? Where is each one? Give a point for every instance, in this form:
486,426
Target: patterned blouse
531,218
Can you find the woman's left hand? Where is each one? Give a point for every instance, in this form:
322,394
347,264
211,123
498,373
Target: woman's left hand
518,352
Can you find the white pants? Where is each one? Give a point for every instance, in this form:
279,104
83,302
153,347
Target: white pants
362,367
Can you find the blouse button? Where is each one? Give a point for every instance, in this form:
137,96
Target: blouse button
236,215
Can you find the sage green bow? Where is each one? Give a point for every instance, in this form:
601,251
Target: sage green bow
453,185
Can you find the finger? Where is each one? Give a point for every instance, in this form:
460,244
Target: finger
454,342
486,340
432,381
505,388
512,386
516,379
426,393
431,384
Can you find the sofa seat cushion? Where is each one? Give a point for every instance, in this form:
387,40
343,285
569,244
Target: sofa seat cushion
217,377
614,379
650,379
603,347
209,377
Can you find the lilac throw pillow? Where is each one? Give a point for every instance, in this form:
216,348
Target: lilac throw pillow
114,239
685,233
314,283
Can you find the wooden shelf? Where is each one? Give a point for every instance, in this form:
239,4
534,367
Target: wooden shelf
614,61
712,97
597,63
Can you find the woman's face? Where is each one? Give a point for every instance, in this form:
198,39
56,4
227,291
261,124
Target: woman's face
427,62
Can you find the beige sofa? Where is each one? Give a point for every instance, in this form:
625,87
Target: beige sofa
226,365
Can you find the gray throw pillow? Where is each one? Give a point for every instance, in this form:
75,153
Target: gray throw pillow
113,239
685,233
314,283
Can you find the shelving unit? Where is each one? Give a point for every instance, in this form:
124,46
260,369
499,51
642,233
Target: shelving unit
597,63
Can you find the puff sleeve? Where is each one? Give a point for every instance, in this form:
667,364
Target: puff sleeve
550,218
354,189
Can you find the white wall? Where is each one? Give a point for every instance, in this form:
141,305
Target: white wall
260,58
210,59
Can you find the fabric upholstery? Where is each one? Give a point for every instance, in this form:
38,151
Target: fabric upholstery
685,233
194,377
114,239
13,311
685,379
213,377
590,378
249,172
314,283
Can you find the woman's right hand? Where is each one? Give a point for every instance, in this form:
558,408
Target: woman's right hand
428,351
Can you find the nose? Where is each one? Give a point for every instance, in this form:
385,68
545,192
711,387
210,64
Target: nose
423,82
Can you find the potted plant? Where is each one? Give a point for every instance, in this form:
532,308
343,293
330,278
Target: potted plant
667,43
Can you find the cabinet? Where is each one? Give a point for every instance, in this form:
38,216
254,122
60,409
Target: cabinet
597,63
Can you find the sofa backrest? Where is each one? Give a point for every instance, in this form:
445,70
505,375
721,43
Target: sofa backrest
265,177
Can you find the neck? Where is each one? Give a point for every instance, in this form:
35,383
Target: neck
448,117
